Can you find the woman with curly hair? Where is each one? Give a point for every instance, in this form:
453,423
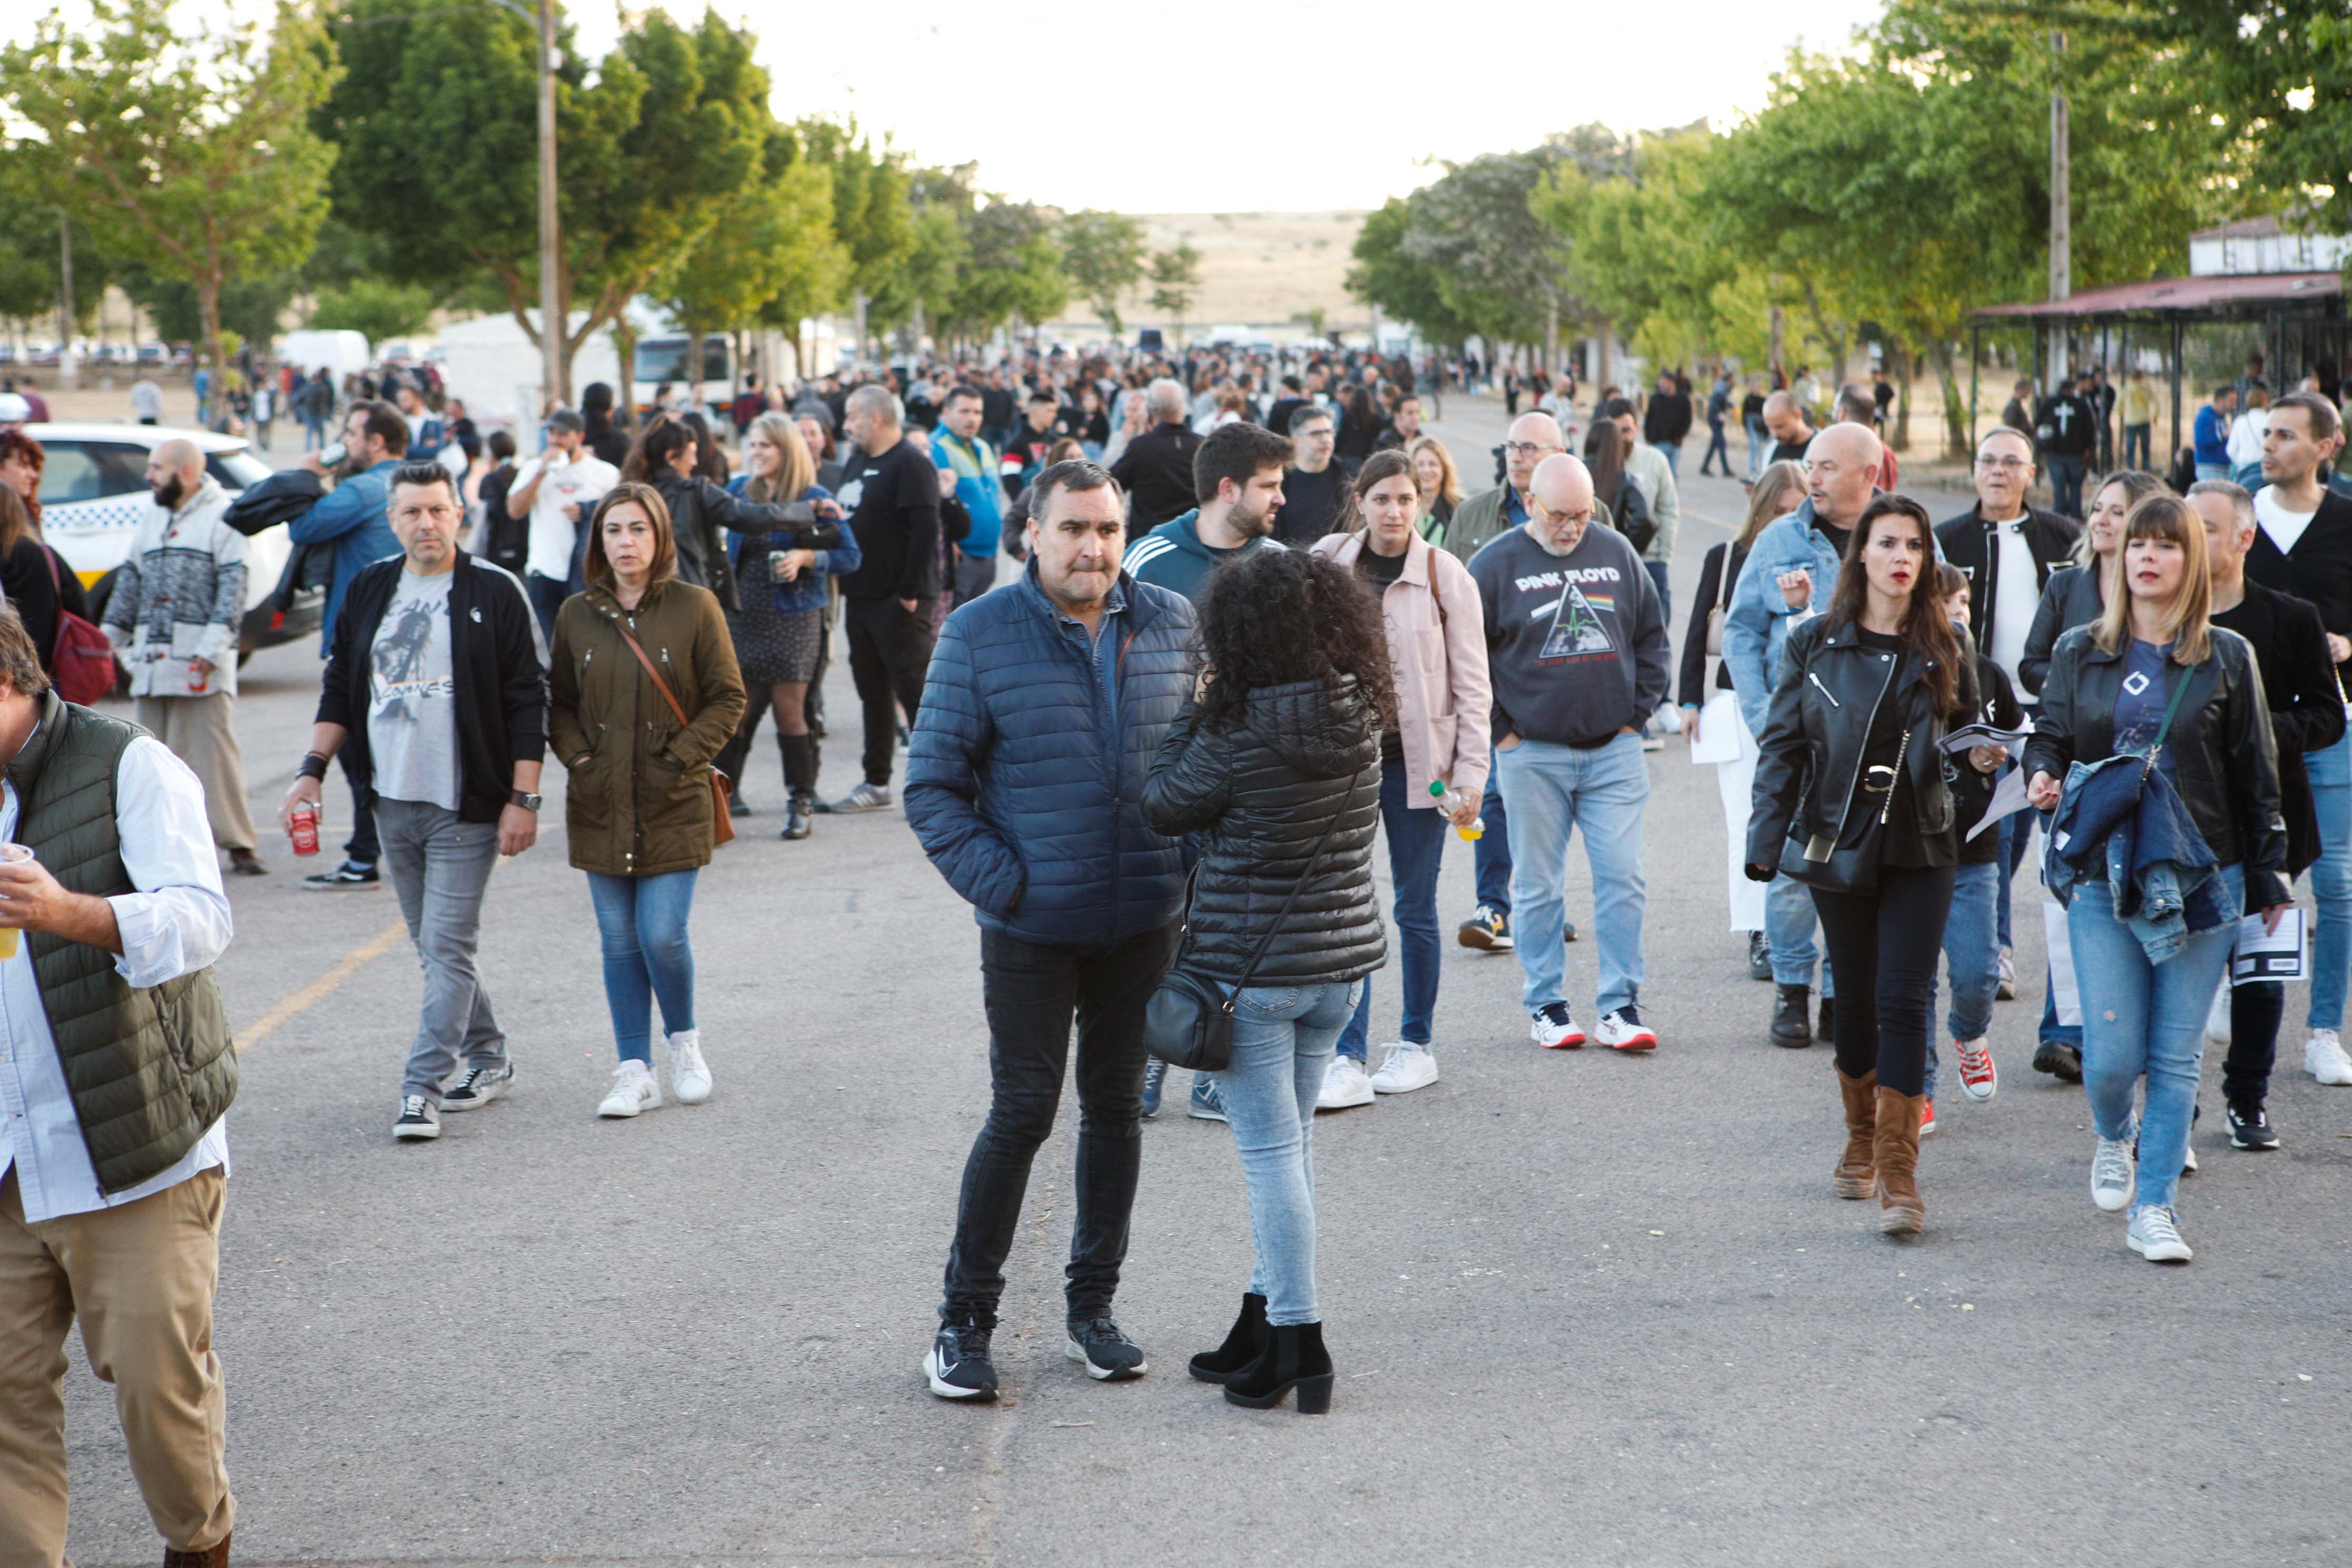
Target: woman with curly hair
1276,765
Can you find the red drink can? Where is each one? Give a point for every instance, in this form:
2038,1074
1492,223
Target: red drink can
306,828
199,679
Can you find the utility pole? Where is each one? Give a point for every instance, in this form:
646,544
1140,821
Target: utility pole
67,376
554,322
2062,217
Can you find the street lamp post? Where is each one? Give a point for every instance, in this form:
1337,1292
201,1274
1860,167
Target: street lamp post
553,323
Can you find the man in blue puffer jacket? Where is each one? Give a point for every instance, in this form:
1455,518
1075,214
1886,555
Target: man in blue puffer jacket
1044,707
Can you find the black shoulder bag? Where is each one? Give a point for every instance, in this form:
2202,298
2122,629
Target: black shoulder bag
1189,1022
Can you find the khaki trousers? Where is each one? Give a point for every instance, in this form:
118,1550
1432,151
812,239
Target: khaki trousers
201,732
141,1279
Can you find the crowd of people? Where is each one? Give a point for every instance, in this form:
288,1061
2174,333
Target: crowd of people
1256,624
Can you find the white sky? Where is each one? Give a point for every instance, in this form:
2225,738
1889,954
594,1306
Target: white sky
1150,108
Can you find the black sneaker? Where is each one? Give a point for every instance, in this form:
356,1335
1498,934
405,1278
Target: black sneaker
345,875
2250,1129
957,1363
1566,930
417,1120
1488,930
478,1087
2059,1059
1109,1355
1759,956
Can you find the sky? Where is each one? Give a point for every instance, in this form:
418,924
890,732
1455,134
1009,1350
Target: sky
1293,105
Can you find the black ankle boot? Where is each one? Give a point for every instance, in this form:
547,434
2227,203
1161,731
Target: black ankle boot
800,756
1791,1023
1244,1345
800,817
1294,1357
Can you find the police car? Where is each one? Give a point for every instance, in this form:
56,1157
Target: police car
94,493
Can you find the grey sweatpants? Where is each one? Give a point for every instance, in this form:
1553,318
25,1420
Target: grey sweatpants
439,866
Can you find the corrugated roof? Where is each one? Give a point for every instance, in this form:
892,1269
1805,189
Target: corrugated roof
2164,295
2245,228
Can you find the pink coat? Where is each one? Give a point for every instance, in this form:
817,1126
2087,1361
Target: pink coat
1437,647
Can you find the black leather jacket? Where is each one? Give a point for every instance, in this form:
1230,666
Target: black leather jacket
2224,760
700,509
2071,600
1809,766
1260,793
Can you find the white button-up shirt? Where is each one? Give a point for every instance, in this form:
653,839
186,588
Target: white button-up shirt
177,922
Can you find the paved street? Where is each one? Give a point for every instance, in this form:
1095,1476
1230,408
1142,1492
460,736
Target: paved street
1586,1308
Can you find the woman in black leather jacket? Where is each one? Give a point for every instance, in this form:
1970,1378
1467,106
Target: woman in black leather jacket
2109,686
2075,595
1276,765
665,459
1853,799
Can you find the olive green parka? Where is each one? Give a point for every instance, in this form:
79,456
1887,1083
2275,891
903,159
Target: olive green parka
638,803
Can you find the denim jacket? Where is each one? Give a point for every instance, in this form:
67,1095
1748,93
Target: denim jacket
807,590
2163,877
1756,626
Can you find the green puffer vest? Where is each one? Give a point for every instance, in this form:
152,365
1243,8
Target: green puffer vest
149,1069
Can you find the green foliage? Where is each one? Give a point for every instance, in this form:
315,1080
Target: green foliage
29,255
774,246
1011,267
1641,252
250,307
1103,253
192,155
1175,282
1409,289
376,308
872,215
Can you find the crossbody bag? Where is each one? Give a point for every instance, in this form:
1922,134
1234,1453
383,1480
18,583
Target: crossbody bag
722,821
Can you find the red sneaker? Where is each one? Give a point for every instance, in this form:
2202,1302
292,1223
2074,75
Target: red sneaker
1926,1117
1978,1077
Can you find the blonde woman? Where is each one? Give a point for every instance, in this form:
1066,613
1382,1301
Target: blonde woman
1439,485
2152,678
1777,491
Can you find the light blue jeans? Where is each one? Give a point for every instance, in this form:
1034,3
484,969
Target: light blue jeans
642,923
2331,883
1789,915
1283,1039
1553,790
1971,957
2143,1020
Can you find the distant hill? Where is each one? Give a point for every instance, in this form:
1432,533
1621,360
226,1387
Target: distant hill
1258,268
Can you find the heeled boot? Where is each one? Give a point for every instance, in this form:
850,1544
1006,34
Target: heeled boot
1294,1357
1855,1166
800,783
1895,1147
1242,1345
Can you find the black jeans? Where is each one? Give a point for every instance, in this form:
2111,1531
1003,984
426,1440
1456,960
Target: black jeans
1032,992
889,653
1883,947
361,849
2255,1011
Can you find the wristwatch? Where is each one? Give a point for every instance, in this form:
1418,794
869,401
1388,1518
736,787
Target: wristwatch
527,801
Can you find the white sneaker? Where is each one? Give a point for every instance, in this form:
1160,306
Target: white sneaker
634,1089
1344,1085
2217,1016
1621,1029
690,1074
2115,1171
1405,1067
2323,1058
1669,718
2155,1236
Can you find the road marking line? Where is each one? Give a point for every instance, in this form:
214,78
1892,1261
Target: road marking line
351,964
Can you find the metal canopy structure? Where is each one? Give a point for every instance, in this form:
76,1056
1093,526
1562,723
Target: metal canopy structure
2285,303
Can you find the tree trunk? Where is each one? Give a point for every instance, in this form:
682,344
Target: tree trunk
215,352
1902,360
1956,423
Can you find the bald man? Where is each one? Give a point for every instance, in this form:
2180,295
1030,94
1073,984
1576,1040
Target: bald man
1790,571
1481,516
1784,418
173,617
1576,649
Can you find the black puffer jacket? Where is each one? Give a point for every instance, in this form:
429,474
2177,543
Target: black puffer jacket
1261,792
698,510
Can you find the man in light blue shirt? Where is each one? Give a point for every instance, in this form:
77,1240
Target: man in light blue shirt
958,449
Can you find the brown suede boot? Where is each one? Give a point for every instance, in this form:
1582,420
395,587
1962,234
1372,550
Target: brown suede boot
1896,1150
1854,1166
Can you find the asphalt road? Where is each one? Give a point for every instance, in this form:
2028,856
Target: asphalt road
1586,1308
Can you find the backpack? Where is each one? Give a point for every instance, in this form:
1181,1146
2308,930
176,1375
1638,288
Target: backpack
81,662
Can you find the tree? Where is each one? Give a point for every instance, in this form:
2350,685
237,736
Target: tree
1175,282
30,256
873,213
1103,253
1640,251
191,154
374,308
1386,275
1012,267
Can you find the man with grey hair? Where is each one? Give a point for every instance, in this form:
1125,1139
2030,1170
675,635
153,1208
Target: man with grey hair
558,491
2296,665
1156,469
173,617
891,493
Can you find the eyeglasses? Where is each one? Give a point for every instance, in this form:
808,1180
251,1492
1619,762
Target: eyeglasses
1544,514
1528,448
2002,464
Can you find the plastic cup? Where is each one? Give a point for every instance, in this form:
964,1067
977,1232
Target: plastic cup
11,854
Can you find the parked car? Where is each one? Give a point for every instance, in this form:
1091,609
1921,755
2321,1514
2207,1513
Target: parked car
94,491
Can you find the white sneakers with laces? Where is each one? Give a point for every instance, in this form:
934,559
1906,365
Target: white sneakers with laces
2155,1235
1345,1086
634,1089
690,1074
1404,1068
2323,1058
2115,1172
